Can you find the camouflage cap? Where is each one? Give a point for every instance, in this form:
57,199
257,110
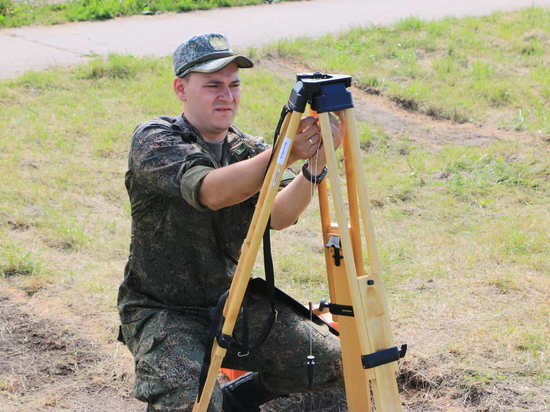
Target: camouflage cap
206,53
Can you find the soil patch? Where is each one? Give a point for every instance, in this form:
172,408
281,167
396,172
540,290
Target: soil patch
47,365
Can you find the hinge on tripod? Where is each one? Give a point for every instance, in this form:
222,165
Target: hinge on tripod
384,356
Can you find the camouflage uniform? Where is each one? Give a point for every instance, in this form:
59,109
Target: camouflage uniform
176,273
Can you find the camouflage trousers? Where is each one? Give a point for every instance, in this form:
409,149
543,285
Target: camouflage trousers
169,346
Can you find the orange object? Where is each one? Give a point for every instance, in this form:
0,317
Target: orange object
327,317
232,373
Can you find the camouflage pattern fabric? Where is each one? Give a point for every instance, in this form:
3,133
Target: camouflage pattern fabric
206,53
174,260
169,347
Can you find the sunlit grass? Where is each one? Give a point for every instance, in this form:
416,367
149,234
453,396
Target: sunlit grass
467,69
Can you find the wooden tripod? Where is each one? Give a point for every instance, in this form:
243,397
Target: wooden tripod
369,355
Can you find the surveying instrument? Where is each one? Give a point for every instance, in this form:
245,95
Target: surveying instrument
357,299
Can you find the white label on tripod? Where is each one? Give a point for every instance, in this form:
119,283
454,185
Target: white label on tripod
285,146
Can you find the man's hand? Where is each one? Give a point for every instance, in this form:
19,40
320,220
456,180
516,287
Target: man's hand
294,198
308,143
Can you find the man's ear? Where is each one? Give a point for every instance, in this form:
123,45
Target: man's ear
179,88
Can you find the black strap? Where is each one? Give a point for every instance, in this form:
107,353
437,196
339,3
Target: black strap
244,344
268,269
225,341
215,329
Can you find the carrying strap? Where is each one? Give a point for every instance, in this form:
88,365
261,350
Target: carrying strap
268,257
268,268
226,341
245,345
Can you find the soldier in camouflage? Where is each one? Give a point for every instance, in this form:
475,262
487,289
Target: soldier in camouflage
180,170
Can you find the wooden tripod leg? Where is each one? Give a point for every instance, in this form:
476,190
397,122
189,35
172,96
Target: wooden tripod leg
368,329
355,378
249,251
372,291
342,280
359,182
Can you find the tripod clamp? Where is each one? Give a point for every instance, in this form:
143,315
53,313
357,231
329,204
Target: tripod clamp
384,356
374,359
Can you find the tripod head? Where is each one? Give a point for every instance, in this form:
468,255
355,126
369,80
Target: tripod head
324,92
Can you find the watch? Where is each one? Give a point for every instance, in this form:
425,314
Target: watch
314,179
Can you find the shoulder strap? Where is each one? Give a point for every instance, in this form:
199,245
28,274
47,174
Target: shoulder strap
228,342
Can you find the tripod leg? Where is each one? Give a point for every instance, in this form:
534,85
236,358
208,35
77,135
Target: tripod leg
250,249
359,182
356,379
369,327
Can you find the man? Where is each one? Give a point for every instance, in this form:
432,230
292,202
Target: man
193,183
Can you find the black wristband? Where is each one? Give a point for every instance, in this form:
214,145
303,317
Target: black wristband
314,179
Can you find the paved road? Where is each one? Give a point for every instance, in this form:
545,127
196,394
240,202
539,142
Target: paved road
37,48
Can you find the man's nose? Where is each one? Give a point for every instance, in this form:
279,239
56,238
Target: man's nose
225,94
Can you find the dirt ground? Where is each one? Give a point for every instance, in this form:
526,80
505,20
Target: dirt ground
52,359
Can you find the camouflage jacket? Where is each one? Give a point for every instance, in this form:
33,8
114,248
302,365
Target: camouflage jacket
174,261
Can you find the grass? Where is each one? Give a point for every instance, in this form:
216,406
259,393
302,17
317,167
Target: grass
463,230
15,13
472,69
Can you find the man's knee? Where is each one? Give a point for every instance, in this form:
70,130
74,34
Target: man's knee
168,382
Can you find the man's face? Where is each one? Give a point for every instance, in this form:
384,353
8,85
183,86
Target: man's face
211,100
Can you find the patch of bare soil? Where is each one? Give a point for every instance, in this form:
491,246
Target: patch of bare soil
48,365
49,362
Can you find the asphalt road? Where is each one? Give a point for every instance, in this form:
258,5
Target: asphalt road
38,47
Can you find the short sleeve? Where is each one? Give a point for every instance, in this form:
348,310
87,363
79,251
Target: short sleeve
190,185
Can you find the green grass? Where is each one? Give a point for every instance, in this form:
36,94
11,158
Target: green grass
15,13
473,69
463,230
